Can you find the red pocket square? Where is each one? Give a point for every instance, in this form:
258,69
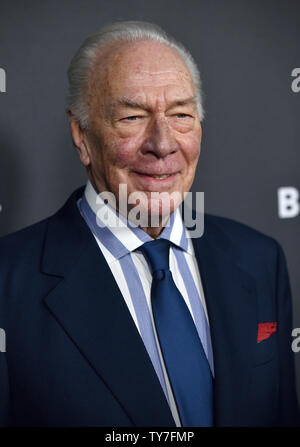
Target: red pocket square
265,330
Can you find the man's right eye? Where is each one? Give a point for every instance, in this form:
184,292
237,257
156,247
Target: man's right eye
130,118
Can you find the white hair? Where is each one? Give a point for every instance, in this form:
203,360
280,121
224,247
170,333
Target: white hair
82,63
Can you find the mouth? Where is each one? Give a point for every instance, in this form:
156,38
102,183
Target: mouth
156,176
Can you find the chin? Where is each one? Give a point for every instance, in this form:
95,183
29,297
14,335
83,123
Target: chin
149,212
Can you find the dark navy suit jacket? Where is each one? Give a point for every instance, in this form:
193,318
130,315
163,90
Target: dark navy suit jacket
74,356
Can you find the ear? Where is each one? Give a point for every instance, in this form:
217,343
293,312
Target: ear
78,139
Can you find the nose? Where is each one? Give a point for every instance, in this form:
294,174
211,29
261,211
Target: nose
160,140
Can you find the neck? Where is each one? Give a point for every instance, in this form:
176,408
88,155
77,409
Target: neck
154,232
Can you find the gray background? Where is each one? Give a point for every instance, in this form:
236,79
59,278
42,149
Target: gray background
246,51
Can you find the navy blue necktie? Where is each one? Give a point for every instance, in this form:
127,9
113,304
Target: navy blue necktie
186,363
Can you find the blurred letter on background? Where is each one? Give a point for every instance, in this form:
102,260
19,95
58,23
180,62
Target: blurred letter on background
2,81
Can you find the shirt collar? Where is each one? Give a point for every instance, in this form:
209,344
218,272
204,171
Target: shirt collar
130,237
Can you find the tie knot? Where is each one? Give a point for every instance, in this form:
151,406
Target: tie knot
157,254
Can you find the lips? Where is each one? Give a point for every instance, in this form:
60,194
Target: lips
158,176
154,181
155,176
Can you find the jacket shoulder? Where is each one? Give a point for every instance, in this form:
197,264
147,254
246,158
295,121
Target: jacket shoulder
21,253
249,246
29,241
238,230
21,239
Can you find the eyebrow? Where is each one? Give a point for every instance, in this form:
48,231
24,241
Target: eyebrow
126,102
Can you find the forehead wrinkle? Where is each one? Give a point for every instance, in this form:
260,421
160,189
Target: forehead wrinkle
127,102
183,102
107,75
162,72
160,78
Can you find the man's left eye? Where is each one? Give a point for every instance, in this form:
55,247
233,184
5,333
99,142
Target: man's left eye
181,115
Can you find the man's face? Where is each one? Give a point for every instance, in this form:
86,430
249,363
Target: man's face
144,127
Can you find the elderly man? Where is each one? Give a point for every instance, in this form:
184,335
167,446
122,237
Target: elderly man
111,322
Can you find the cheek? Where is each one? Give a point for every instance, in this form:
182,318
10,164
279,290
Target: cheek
191,149
121,153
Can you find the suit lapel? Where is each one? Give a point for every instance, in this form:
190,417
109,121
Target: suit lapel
88,304
232,310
